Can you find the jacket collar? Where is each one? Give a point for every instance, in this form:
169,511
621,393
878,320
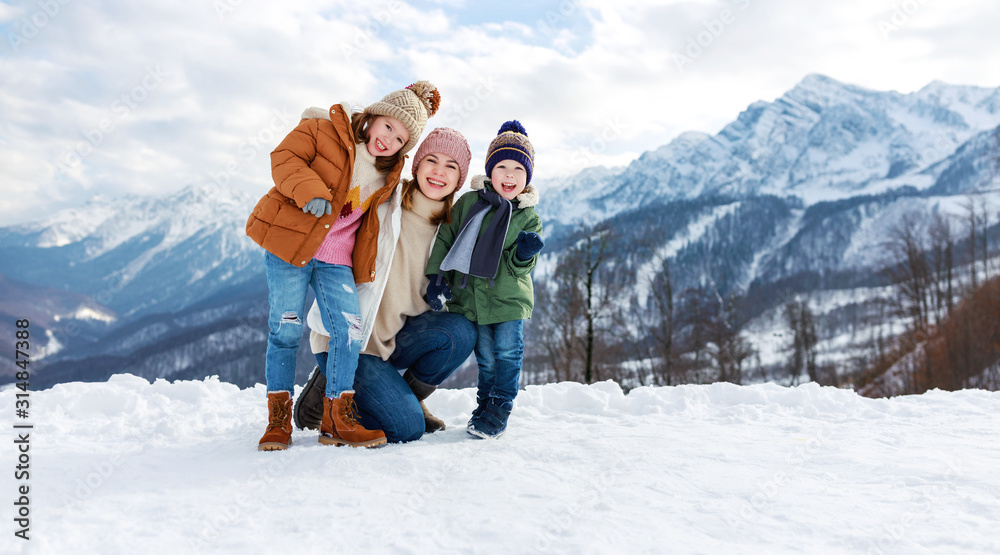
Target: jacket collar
324,113
345,109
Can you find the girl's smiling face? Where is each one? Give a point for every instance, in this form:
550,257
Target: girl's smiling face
386,135
508,178
437,175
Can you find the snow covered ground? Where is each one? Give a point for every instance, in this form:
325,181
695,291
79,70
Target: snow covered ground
132,467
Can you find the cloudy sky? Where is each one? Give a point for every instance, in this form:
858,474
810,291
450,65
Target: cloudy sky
120,97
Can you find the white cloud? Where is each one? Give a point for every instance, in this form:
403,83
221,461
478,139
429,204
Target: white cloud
593,82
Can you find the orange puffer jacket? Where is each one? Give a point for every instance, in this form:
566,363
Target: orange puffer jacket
316,160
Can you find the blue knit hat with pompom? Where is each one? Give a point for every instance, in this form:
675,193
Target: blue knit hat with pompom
511,143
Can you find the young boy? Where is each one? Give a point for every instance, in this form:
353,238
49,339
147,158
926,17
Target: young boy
487,253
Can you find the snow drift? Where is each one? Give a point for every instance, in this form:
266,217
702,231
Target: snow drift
129,466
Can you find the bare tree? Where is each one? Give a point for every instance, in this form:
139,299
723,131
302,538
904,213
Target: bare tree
590,254
985,226
696,315
729,350
972,220
657,322
911,272
801,324
557,318
942,254
580,306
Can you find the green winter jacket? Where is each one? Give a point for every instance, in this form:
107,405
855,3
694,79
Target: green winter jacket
512,296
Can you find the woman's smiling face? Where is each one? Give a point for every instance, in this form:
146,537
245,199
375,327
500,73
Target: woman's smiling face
437,175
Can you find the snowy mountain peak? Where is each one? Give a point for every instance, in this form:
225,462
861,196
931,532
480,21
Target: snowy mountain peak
821,85
72,224
135,252
821,140
687,139
819,91
106,223
956,93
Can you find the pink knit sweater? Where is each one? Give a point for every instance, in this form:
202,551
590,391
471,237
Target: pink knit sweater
365,181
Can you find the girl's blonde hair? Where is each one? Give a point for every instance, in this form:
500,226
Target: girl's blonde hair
360,123
409,187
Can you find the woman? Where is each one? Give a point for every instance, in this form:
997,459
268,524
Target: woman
400,329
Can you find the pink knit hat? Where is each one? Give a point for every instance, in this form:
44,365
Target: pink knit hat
446,141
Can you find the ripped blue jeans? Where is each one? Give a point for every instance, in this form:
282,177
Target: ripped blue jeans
337,297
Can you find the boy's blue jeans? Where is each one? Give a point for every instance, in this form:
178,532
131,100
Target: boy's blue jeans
338,305
432,346
499,353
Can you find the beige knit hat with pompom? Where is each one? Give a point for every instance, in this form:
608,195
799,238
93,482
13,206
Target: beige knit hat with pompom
412,106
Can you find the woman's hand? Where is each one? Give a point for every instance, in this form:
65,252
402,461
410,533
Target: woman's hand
438,292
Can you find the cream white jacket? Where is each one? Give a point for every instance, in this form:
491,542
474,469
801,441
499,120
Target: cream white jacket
390,215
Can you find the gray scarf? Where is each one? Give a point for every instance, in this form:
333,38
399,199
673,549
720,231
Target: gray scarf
480,258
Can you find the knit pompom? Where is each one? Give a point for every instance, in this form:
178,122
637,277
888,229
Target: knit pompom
428,95
513,125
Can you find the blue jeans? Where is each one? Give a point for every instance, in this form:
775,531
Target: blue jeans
338,305
432,346
499,352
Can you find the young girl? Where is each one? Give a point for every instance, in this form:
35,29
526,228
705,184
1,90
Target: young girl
491,245
401,331
327,172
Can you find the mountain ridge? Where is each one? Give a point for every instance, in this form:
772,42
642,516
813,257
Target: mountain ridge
821,140
801,188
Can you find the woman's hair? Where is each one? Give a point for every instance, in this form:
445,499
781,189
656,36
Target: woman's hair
360,122
407,189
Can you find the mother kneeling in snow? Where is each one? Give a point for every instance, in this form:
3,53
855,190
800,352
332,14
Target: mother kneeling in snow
401,332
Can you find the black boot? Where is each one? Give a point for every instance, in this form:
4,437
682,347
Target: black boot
308,411
481,401
422,391
491,422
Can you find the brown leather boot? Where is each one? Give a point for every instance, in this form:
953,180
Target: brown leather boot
308,409
422,391
431,422
279,422
341,427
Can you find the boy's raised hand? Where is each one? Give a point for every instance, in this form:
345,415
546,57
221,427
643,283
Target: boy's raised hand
437,292
318,206
529,244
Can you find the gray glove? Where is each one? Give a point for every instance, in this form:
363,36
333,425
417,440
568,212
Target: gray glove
318,206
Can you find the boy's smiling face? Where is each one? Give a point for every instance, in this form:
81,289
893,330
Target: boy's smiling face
386,135
508,178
